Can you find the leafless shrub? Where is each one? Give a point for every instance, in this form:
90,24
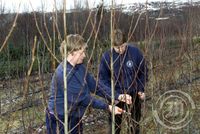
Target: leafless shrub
169,39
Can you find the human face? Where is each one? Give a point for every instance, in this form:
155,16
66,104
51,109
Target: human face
120,49
79,56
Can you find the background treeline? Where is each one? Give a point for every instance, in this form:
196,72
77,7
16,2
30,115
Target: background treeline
29,53
142,27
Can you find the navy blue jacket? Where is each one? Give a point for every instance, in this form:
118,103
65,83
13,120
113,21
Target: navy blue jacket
79,86
130,71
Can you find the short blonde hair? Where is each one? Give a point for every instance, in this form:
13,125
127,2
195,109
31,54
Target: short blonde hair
73,42
118,37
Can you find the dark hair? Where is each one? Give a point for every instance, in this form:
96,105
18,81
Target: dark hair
118,37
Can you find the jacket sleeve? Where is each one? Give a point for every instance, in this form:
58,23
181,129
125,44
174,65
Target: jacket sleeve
104,71
95,103
142,73
98,88
105,76
58,77
59,74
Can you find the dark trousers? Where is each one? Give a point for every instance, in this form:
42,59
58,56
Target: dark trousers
133,119
55,125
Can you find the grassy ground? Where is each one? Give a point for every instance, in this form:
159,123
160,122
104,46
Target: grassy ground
172,70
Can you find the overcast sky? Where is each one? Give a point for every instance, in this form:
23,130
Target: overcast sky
12,5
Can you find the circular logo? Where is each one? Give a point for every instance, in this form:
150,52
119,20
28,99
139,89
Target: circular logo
129,63
174,109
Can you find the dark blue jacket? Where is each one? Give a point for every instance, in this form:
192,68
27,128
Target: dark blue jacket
130,71
79,86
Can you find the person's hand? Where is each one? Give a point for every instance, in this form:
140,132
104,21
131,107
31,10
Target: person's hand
141,95
125,98
117,110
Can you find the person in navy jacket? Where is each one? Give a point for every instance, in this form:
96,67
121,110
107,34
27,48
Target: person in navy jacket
80,84
130,75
